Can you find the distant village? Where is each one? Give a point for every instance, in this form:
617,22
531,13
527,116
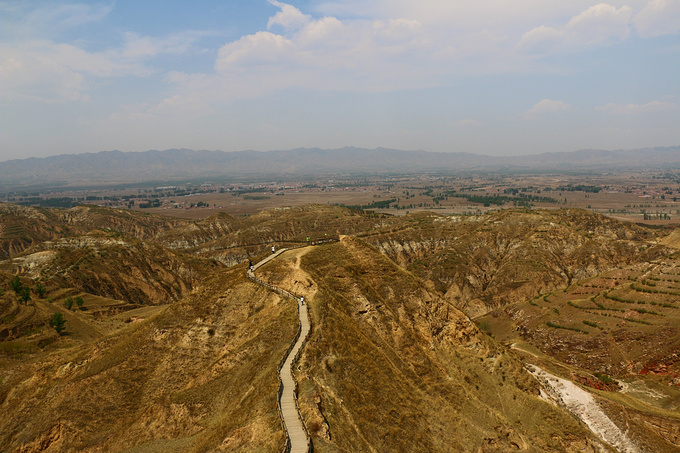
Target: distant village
651,197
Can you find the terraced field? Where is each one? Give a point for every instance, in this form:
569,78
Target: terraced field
623,325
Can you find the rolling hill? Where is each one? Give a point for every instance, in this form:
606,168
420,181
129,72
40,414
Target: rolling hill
426,330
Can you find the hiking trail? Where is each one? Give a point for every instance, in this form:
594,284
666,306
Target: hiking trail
297,437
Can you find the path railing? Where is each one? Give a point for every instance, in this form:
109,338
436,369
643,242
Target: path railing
298,243
310,448
283,292
251,275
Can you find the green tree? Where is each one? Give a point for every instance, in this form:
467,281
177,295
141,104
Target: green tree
15,284
58,322
68,302
79,302
25,294
40,290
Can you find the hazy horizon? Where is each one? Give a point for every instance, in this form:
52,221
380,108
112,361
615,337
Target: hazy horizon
333,149
489,78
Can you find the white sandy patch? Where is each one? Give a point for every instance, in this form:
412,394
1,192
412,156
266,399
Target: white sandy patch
566,394
640,390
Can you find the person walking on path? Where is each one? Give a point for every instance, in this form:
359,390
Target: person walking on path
273,249
302,300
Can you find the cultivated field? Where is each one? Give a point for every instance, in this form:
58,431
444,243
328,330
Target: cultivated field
644,197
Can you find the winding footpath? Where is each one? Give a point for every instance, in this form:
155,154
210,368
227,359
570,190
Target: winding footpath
560,391
298,439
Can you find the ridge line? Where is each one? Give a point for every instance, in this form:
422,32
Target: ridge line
297,434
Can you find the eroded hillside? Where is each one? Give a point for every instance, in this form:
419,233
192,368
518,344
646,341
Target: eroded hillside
392,366
483,262
168,347
22,226
197,376
111,266
280,227
221,236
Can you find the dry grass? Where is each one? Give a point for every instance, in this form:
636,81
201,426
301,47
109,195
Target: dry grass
392,364
378,375
200,375
632,336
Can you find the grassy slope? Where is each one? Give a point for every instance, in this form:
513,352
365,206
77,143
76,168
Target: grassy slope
583,334
199,376
392,367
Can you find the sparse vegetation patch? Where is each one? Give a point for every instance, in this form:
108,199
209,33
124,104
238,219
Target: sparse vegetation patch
559,326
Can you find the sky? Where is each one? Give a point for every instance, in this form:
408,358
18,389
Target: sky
494,77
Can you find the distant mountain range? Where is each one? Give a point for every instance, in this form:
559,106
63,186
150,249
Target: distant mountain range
117,167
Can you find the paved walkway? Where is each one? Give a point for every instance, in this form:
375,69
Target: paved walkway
268,259
299,441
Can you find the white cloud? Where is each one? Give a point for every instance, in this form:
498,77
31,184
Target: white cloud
327,32
290,18
601,23
541,40
46,71
598,25
659,17
376,47
327,53
262,46
395,44
547,106
636,109
374,54
22,20
35,66
396,30
26,74
457,14
139,47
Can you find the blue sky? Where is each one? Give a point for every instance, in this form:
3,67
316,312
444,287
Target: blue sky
494,77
